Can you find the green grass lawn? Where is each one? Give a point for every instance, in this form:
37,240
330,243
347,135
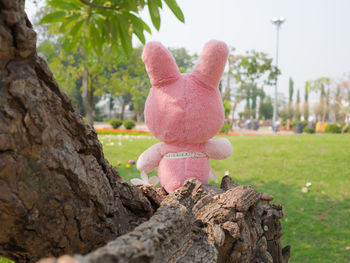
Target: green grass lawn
317,223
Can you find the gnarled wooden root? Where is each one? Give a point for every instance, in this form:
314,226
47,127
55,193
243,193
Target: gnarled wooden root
201,223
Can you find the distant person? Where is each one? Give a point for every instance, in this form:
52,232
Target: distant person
247,124
276,126
288,124
323,126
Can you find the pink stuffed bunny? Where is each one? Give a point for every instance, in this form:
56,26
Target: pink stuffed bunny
184,111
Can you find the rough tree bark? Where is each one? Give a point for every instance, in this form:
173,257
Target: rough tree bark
200,223
58,194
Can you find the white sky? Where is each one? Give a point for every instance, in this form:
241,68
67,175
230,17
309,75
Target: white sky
314,40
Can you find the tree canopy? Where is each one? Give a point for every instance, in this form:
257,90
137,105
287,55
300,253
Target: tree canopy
99,23
251,72
100,28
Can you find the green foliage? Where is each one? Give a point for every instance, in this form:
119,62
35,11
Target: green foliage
253,67
332,128
120,75
129,124
291,90
175,9
184,60
305,123
347,129
306,93
67,70
127,79
5,260
226,127
251,71
94,25
290,105
309,130
342,125
247,113
266,109
227,108
306,102
115,123
318,84
297,107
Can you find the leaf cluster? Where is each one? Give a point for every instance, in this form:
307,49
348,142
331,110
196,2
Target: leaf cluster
96,24
251,72
253,67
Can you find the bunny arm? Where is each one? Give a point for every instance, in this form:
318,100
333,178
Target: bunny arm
150,158
218,149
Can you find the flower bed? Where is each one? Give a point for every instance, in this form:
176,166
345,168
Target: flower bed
109,131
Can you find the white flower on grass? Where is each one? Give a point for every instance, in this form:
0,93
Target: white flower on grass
227,173
308,184
152,181
304,190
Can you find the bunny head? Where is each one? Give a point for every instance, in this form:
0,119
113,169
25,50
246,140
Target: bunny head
184,108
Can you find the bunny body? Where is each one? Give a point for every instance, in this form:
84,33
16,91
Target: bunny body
184,111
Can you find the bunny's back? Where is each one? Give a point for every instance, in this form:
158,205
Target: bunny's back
181,162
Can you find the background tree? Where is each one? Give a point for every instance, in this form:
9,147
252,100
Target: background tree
227,109
128,82
306,102
226,94
320,85
290,105
93,25
338,113
251,72
67,70
282,106
266,108
342,99
297,107
184,60
327,104
119,76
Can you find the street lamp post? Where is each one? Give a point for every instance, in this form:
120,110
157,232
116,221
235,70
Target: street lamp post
278,21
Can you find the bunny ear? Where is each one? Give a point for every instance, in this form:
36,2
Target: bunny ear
160,64
211,63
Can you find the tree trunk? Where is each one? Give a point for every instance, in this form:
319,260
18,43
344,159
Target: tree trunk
86,96
200,223
110,106
57,192
235,103
306,110
59,195
122,111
